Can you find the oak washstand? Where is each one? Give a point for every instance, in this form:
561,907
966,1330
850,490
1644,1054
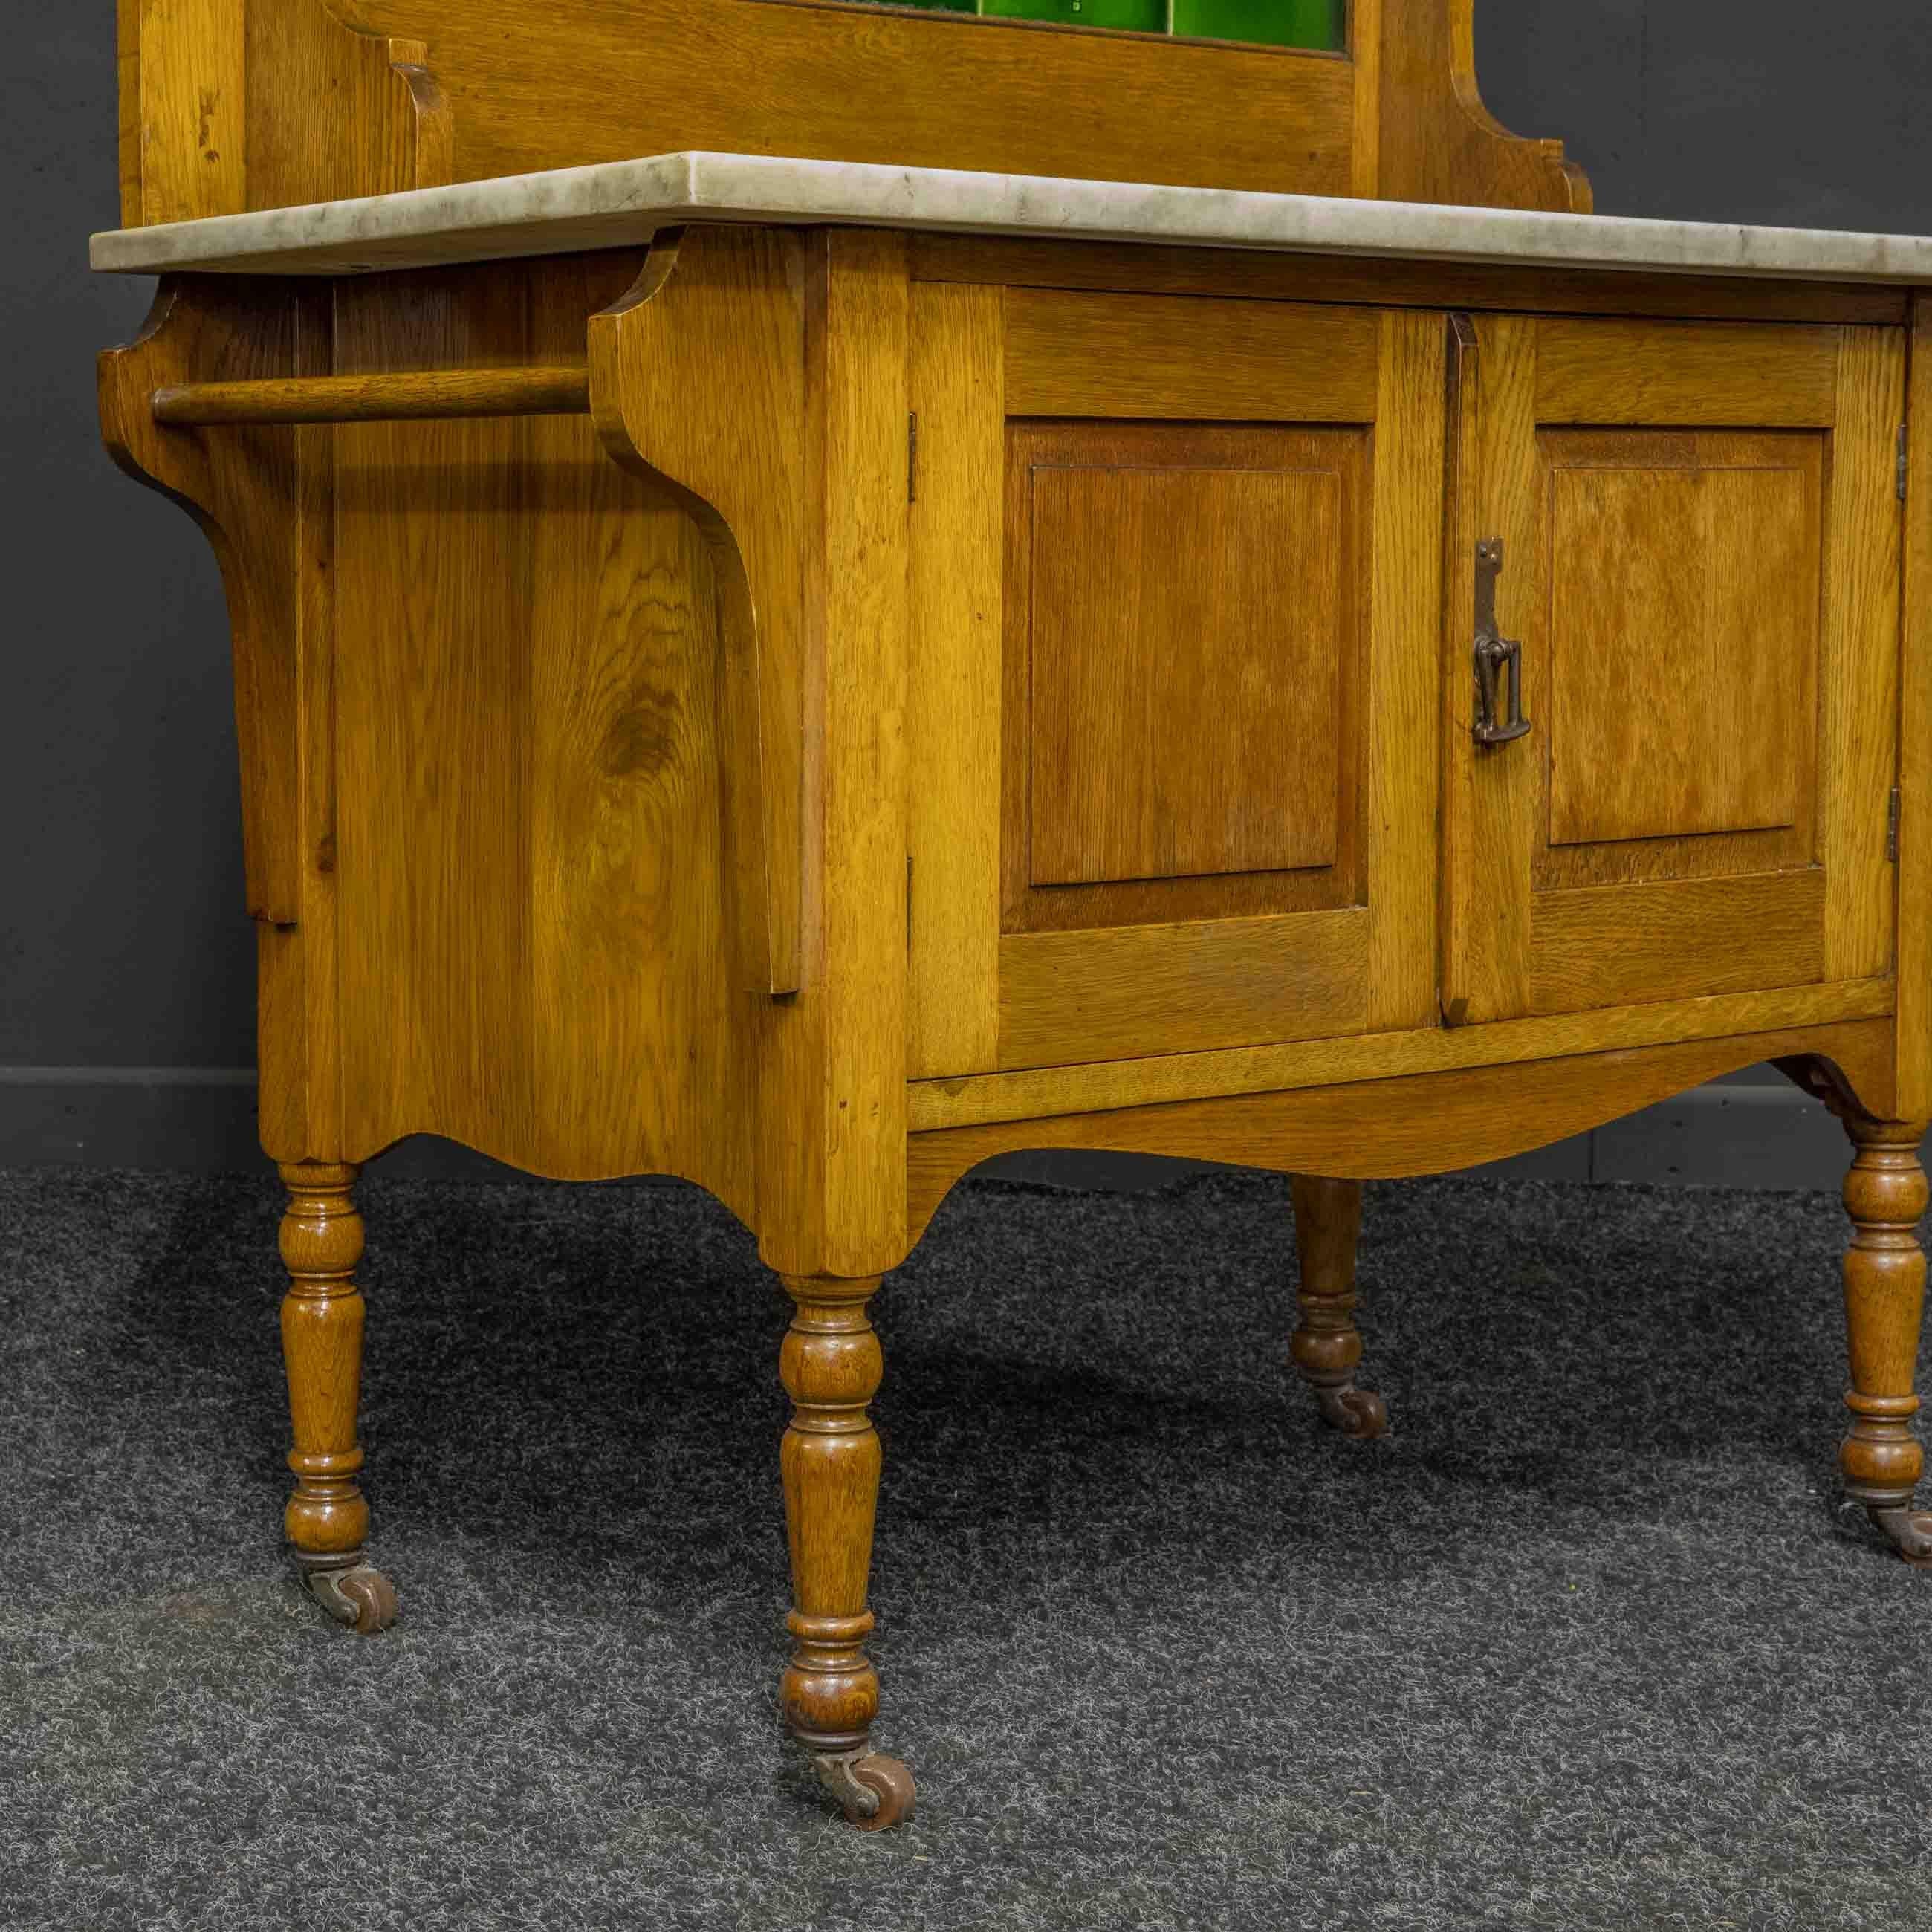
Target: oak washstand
805,673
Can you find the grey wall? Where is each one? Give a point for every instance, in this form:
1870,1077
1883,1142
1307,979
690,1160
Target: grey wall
126,962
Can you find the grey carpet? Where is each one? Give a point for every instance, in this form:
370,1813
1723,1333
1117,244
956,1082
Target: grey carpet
1584,1643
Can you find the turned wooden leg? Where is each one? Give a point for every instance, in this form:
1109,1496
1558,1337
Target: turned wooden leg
830,1365
1326,1347
327,1519
1885,1297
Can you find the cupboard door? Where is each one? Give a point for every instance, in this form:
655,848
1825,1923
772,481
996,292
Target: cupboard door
1176,564
1693,534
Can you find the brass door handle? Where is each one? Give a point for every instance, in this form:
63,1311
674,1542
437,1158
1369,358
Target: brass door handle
1498,659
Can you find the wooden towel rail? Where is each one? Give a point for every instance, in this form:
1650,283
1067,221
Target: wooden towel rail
400,397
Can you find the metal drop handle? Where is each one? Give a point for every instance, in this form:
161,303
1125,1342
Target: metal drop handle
1498,659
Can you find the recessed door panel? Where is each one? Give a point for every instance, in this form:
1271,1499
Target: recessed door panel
1686,578
1184,656
1190,635
1698,540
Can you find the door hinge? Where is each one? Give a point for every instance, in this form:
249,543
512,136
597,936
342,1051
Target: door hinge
1904,458
908,902
912,457
1891,827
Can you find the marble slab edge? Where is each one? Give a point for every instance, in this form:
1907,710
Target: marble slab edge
621,204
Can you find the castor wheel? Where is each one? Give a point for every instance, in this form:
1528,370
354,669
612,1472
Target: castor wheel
1909,1532
356,1594
874,1791
1356,1412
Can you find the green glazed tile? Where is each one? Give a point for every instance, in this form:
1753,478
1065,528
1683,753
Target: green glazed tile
1278,23
1149,17
1274,23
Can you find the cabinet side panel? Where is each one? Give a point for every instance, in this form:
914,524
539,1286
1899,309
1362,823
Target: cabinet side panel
532,935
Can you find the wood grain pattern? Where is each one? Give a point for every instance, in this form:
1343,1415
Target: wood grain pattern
1438,141
1365,53
1686,575
1107,1086
606,80
1403,776
1672,375
186,130
1169,757
1489,791
1858,683
1115,992
1599,945
1423,1123
528,679
859,1080
393,396
1189,627
219,109
592,80
952,716
1078,354
386,127
243,492
1914,890
1255,275
698,382
1757,746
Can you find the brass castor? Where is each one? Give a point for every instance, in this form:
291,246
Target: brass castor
874,1791
1909,1530
351,1590
1356,1412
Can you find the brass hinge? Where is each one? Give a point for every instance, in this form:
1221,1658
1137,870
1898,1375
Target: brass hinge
912,457
1904,458
1891,827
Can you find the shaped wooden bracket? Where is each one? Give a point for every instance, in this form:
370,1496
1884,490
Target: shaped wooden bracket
698,384
246,497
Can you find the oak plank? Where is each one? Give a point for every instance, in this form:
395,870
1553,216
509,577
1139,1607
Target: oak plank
1104,1086
1068,996
1859,687
1914,903
1416,1123
1677,374
1254,275
1080,354
1403,773
192,142
1165,757
953,686
1599,945
1490,790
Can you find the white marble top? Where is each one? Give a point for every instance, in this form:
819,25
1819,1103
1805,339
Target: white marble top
620,202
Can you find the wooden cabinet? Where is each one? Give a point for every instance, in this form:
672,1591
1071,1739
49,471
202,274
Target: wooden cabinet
1017,660
1229,562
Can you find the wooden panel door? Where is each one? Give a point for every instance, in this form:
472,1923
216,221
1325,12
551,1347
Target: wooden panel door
1699,530
1175,567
